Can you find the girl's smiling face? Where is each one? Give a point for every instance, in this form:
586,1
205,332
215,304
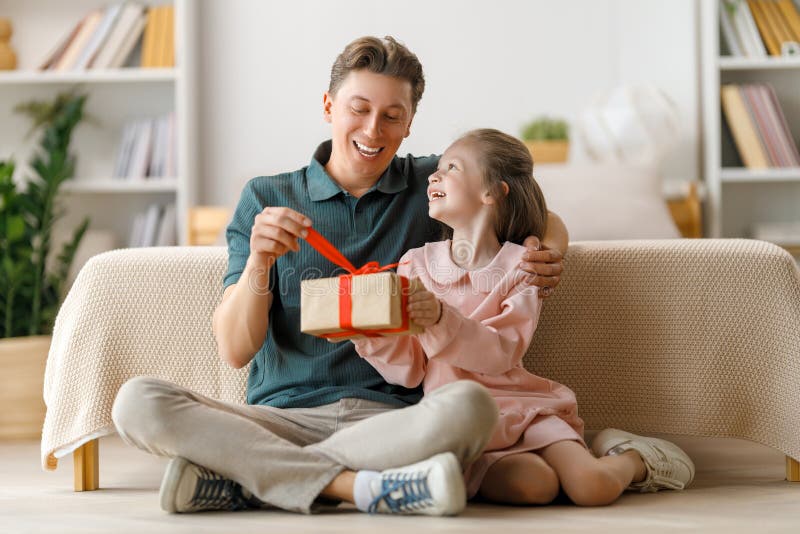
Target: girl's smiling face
456,191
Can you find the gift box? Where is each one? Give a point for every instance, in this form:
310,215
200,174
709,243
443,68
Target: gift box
368,302
356,306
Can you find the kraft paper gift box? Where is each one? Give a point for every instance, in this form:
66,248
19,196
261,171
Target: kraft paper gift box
375,300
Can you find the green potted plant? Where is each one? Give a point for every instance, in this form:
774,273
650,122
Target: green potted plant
33,282
547,139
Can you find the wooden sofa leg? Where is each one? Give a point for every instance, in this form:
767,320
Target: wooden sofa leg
86,460
792,470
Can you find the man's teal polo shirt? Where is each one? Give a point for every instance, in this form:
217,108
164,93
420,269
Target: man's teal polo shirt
293,369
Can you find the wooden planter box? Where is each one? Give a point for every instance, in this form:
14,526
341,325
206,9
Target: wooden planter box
22,363
548,151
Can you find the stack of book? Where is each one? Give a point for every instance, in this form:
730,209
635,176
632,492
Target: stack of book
154,227
758,126
147,149
106,39
757,27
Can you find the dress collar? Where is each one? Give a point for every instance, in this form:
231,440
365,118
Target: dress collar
445,271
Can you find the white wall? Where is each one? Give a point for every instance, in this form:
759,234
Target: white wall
264,67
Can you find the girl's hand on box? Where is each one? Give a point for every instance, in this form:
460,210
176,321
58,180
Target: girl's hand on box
424,308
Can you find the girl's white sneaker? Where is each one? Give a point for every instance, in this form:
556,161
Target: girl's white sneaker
667,466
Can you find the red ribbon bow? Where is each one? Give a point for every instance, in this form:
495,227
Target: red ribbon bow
324,247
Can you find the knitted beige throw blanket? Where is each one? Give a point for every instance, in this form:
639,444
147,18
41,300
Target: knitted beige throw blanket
691,337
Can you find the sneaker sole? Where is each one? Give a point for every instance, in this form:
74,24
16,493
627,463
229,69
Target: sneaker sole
169,484
611,437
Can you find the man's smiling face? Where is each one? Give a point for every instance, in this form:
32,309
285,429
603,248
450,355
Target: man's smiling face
370,115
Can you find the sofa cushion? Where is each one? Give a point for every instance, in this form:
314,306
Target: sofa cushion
607,201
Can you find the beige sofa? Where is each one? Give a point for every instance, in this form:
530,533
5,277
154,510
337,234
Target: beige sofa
691,337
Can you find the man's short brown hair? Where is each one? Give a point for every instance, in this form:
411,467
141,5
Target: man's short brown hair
382,56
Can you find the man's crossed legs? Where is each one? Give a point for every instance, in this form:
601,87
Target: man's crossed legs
287,457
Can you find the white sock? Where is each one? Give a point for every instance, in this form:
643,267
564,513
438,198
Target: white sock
362,489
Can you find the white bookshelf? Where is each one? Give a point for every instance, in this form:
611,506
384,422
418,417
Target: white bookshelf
115,96
739,198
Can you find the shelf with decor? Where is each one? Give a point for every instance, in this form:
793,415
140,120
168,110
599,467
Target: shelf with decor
750,71
136,63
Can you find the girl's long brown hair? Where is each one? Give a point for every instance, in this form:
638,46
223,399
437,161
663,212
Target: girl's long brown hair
503,158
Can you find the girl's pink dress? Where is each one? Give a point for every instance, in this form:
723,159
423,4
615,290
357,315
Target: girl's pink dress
488,319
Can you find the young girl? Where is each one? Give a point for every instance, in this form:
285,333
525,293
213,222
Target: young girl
479,316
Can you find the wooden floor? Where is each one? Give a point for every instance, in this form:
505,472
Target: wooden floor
739,488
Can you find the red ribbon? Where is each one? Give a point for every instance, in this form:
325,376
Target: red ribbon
324,247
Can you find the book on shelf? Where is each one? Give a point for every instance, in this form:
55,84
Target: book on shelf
76,46
772,125
792,16
54,55
159,37
744,27
122,39
742,128
169,157
765,25
103,39
137,230
167,235
768,31
140,150
780,27
155,226
98,37
168,57
757,28
779,119
148,38
162,162
151,219
758,116
125,149
158,45
758,126
146,148
729,33
155,166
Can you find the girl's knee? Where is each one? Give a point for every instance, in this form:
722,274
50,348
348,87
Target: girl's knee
539,487
597,486
544,490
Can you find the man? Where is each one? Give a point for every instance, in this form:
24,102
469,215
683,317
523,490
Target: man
321,425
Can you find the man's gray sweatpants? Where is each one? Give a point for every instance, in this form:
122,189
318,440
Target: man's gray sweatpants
286,457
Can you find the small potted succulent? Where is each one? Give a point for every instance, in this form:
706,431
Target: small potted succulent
547,139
